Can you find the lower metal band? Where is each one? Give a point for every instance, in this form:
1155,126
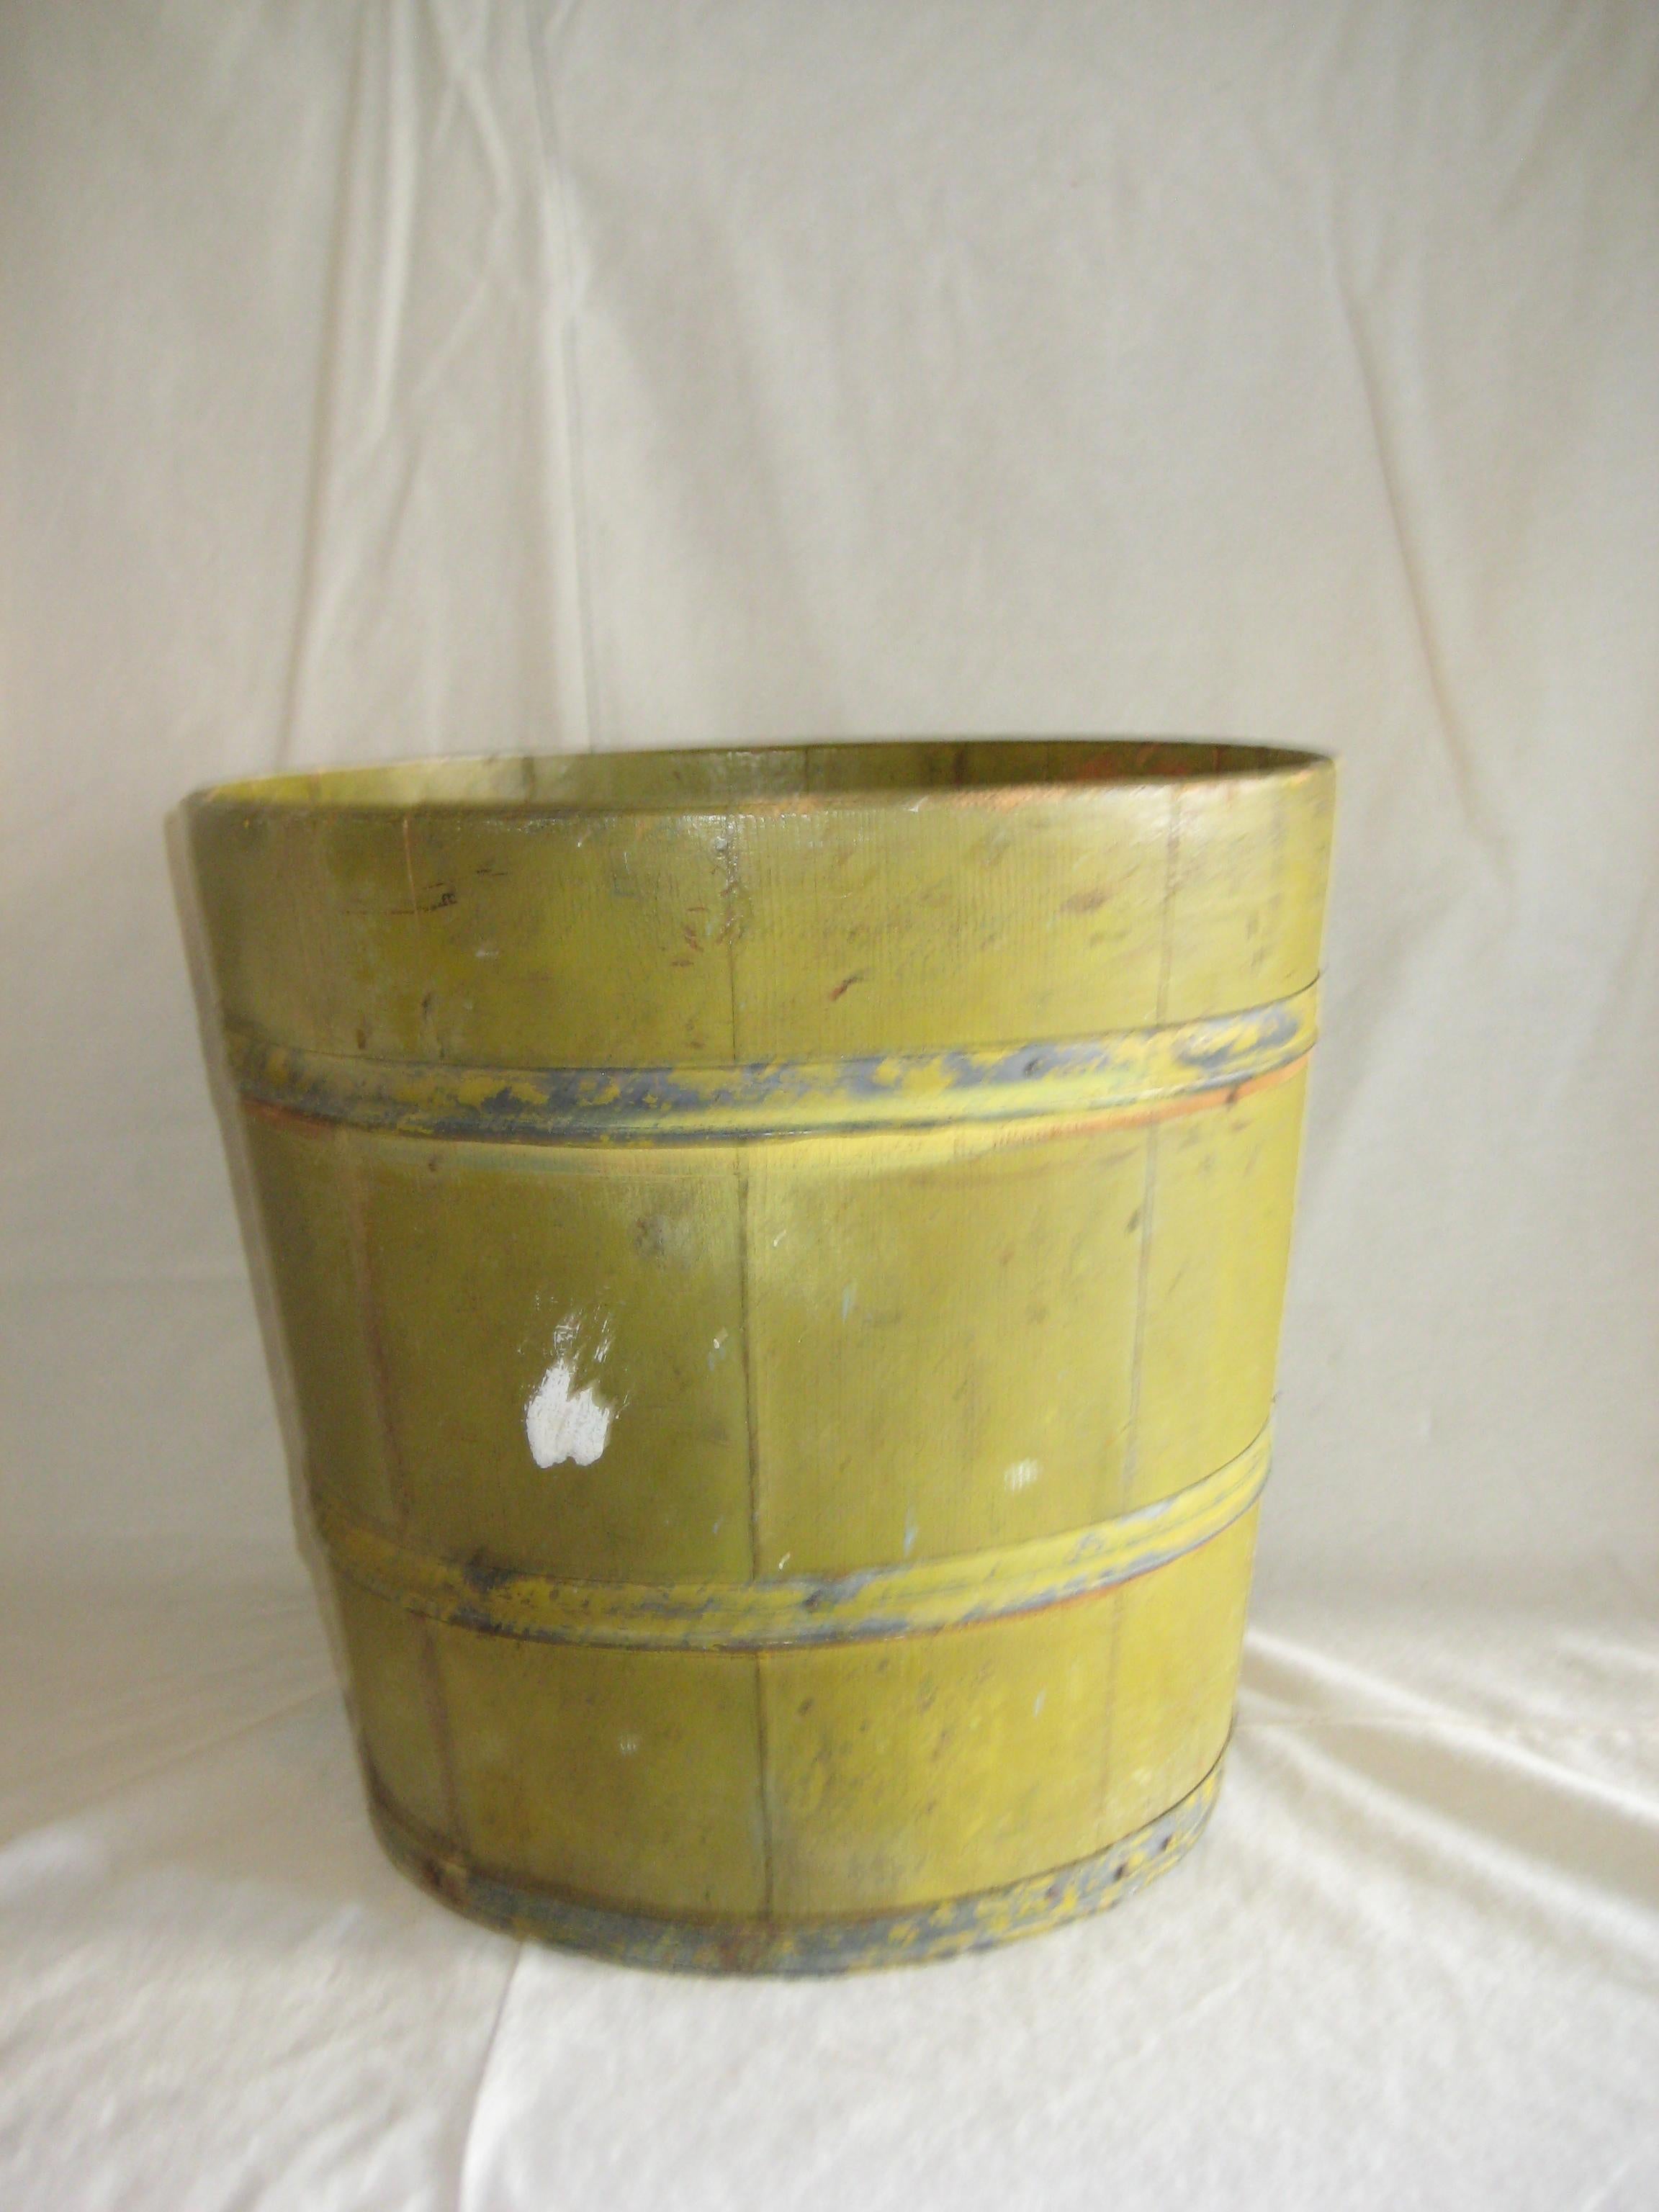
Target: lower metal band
752,1616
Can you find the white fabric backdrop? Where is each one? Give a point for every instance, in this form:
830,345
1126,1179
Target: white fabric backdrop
383,379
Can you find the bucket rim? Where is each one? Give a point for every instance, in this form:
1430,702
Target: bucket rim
474,784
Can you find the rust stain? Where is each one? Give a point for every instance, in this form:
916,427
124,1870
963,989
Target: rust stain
288,1117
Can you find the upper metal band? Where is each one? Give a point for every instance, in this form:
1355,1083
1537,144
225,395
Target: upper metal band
876,1602
1133,1071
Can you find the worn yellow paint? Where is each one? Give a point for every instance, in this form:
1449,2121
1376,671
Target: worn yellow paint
889,1153
629,1776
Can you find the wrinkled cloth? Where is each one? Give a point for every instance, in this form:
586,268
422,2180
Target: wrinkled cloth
384,379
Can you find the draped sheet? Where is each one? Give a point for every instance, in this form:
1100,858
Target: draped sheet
386,378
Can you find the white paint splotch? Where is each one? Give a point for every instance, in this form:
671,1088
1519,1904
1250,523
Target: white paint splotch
566,1419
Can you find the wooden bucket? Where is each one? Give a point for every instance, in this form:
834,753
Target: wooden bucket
779,1257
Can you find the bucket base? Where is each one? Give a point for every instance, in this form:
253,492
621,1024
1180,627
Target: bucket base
828,1945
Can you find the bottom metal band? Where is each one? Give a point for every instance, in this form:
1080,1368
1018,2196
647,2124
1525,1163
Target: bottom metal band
826,1946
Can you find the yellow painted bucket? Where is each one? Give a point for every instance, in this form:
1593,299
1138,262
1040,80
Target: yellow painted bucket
779,1256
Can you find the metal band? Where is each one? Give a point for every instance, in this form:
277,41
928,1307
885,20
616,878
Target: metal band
821,1946
754,1616
1135,1072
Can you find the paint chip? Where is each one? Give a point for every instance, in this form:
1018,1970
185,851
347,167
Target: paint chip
1023,1473
566,1420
